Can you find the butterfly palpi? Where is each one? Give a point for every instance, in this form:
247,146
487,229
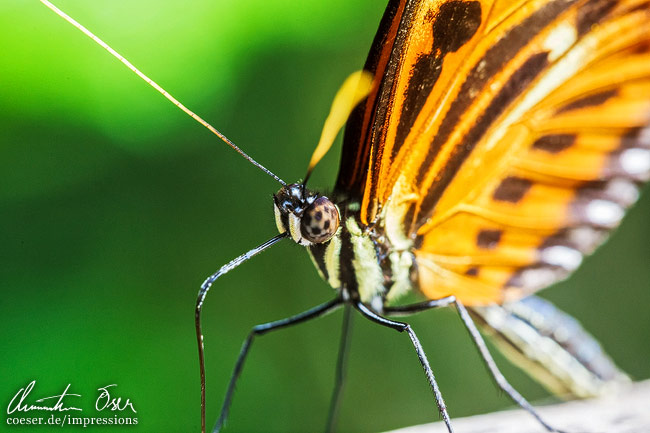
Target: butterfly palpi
490,145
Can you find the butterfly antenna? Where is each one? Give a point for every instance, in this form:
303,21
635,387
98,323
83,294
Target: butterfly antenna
355,88
162,91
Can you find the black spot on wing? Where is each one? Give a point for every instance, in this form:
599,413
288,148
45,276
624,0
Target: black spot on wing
512,189
472,272
425,74
589,101
453,26
592,13
488,239
554,143
637,137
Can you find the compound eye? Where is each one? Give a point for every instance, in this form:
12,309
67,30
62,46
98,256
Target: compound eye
319,221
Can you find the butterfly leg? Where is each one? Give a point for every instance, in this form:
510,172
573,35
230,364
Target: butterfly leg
262,329
407,310
480,345
341,365
405,327
494,370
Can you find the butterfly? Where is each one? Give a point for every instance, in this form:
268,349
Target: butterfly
495,149
498,144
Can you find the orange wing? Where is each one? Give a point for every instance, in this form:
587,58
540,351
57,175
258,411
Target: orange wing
508,147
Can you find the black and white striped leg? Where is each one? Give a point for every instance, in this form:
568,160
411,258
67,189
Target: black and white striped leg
341,366
262,329
407,310
480,345
405,327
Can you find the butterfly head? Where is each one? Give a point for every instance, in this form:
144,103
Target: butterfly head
310,218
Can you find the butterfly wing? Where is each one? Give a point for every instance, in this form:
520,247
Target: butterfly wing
406,65
504,140
552,347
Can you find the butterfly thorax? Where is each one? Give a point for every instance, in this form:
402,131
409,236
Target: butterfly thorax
361,261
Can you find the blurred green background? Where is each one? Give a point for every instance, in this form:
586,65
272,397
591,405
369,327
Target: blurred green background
114,206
